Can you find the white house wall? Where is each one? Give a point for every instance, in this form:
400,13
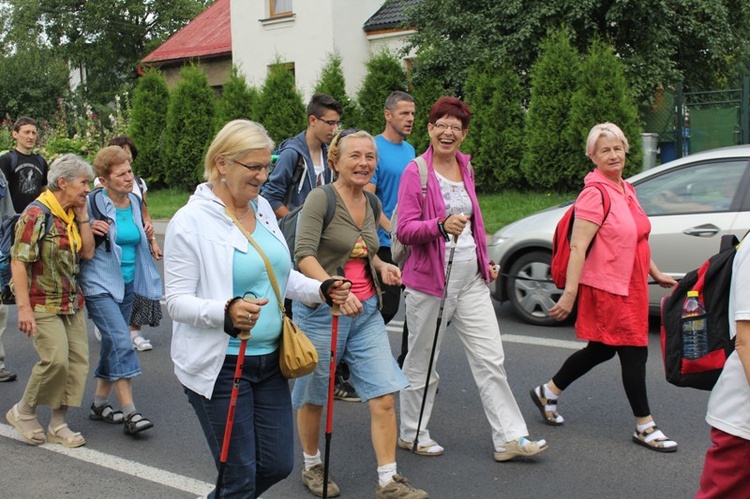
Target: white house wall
318,28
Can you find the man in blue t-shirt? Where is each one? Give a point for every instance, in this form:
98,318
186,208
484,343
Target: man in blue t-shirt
394,153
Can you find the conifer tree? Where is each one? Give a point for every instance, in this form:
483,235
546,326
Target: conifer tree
190,128
384,75
426,91
332,83
148,120
495,137
550,161
238,100
280,108
604,95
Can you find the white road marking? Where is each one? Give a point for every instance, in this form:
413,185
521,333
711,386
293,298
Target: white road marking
397,327
133,468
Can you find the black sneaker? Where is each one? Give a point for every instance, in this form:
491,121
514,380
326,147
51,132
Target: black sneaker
6,375
343,390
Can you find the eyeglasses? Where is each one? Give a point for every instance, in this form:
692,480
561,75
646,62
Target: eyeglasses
252,168
445,126
334,123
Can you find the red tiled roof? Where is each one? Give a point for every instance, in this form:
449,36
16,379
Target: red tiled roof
209,34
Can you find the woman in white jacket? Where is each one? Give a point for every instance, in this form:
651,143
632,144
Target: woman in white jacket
209,267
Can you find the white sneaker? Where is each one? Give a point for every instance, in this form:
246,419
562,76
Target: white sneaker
142,344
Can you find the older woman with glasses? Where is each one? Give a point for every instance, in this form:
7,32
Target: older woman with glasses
448,214
219,292
52,236
349,242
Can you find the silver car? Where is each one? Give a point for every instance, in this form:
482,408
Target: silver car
691,203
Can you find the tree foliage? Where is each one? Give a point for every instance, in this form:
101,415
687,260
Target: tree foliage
238,100
106,37
495,137
603,95
384,75
549,159
332,83
148,120
660,42
281,109
426,91
31,81
190,128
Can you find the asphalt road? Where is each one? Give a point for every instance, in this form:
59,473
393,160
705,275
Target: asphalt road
591,456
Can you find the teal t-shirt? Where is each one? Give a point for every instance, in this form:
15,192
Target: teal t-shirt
392,160
249,274
128,237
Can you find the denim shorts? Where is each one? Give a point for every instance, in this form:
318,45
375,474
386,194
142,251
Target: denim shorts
117,357
362,342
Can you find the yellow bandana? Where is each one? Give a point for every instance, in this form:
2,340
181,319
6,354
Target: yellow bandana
49,200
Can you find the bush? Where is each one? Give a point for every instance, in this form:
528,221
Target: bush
148,120
281,109
550,161
190,127
495,137
384,75
332,83
604,95
238,100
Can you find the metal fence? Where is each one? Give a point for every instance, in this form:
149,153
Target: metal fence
682,123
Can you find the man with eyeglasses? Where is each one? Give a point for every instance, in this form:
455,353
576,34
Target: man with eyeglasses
303,159
394,153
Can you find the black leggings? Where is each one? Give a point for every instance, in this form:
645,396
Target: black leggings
632,362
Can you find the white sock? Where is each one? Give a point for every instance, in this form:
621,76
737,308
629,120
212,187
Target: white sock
385,473
311,461
642,427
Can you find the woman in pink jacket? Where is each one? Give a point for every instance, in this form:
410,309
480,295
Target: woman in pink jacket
450,210
611,285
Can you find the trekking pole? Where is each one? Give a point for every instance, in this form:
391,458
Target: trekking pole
329,409
454,240
230,413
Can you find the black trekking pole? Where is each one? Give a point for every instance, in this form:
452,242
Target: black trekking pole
329,408
454,240
230,415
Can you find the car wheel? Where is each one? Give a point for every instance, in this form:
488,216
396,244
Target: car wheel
530,289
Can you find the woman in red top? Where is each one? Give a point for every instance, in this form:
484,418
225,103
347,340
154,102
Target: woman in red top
611,285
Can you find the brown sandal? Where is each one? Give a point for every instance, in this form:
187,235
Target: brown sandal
34,436
547,406
653,438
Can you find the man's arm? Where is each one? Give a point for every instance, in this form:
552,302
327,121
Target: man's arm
279,181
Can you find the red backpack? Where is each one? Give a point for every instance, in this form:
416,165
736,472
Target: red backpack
561,239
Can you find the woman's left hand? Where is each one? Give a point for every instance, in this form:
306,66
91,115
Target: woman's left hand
148,227
494,271
390,274
664,280
155,249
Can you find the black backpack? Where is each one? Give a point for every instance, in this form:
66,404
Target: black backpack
7,237
712,281
288,223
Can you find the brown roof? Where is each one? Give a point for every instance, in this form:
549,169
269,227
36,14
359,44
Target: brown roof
207,35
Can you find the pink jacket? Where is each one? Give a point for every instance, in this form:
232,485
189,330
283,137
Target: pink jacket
424,270
609,264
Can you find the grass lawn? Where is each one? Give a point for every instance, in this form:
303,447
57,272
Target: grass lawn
498,209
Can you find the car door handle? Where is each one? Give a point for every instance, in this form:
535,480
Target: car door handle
706,230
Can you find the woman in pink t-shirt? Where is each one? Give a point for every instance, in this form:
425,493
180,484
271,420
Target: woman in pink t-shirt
610,262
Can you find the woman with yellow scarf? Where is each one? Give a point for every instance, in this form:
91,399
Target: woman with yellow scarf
52,236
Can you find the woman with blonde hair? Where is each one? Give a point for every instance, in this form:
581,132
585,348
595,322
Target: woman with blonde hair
218,291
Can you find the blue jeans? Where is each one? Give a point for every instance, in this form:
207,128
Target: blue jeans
261,449
117,359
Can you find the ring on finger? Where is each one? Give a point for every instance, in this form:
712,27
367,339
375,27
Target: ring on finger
250,317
